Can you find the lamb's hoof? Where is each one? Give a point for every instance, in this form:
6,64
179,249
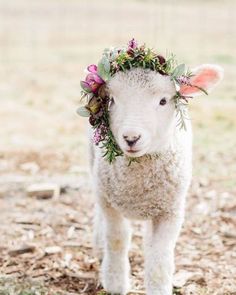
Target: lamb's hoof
161,290
116,292
115,283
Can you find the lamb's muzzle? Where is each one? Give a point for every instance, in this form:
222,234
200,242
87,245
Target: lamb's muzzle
131,139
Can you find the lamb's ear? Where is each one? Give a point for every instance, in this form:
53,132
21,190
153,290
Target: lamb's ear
205,77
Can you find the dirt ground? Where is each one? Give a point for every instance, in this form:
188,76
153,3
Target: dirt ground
45,244
57,234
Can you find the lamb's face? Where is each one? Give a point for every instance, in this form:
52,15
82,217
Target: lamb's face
142,111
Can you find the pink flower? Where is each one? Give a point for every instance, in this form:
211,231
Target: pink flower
100,134
92,69
132,44
93,81
184,80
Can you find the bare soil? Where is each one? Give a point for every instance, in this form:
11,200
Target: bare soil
55,235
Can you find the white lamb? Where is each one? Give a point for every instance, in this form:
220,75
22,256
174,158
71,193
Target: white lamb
144,123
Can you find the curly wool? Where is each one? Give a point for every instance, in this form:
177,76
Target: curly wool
141,80
153,186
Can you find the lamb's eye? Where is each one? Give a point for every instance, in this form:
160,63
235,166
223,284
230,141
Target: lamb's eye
163,101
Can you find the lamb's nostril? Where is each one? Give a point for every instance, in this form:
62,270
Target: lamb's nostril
131,140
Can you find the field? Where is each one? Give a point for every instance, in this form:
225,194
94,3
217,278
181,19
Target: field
44,48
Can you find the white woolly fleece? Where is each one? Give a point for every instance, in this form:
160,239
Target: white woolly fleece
154,189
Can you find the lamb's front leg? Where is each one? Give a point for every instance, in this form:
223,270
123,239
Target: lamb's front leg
115,264
160,243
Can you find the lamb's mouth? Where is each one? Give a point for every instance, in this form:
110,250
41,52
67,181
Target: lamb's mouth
134,153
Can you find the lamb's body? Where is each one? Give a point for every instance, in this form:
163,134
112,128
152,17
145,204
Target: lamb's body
155,187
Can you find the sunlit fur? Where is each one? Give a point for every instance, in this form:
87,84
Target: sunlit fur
153,189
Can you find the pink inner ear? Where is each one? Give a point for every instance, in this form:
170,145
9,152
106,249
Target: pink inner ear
204,79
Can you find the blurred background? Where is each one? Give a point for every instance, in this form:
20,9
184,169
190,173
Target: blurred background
44,49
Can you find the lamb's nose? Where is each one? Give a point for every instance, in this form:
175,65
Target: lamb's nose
131,140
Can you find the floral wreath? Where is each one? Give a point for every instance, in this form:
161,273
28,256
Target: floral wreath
121,59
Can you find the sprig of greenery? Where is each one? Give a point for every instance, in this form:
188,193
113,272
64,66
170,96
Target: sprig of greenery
181,110
111,148
109,145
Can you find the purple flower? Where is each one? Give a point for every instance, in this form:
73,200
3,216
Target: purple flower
184,80
100,133
92,69
93,81
161,59
132,44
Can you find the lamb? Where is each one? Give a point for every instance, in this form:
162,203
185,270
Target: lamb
144,123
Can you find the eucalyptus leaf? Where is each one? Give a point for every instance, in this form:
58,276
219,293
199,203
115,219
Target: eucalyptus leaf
177,86
106,51
104,68
83,112
179,70
106,63
114,53
84,85
89,96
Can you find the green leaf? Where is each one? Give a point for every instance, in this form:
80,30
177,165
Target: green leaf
202,89
85,87
106,63
122,67
177,86
130,65
83,112
106,51
179,70
104,68
114,53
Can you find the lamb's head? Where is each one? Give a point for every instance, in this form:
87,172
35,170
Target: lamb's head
142,110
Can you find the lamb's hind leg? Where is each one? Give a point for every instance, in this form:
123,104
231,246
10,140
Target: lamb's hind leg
115,264
160,243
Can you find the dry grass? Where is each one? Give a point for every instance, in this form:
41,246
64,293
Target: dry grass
44,47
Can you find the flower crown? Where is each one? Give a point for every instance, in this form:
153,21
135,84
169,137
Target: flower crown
121,59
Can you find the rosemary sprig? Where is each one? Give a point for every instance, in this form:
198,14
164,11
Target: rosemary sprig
181,110
111,149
